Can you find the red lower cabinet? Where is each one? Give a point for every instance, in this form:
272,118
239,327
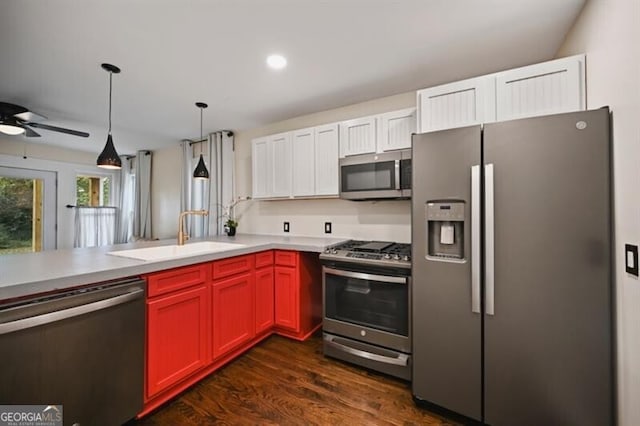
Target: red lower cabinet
200,317
264,299
287,310
298,293
233,313
177,337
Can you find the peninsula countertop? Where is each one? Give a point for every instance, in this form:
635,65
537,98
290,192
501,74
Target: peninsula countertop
47,271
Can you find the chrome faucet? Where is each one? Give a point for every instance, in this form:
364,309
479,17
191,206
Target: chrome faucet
182,236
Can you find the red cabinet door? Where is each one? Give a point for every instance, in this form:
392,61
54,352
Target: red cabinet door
177,337
233,313
287,298
264,299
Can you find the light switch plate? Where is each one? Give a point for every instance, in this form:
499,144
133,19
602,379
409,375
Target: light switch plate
631,259
327,227
285,228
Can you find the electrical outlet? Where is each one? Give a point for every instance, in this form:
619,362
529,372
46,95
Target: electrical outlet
327,227
285,228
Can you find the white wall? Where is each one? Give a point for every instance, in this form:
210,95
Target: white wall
608,31
66,163
382,220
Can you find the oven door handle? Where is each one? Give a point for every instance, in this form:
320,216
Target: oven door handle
401,359
363,276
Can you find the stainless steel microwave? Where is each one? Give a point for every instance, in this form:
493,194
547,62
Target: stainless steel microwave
376,176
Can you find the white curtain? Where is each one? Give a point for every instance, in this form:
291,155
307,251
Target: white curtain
214,194
95,226
142,215
186,184
220,189
126,200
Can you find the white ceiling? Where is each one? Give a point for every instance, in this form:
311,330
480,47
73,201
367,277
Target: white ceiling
174,53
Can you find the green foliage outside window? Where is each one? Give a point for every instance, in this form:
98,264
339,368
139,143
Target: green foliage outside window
16,213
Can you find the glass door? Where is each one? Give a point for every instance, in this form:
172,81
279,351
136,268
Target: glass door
27,210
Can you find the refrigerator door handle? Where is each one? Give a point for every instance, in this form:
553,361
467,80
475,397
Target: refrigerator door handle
489,295
475,239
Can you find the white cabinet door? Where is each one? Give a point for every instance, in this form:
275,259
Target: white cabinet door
548,88
280,147
358,136
303,144
459,104
326,156
395,129
261,166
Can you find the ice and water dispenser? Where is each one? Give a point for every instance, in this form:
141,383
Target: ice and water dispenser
445,230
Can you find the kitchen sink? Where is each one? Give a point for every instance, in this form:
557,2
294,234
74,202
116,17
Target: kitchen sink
176,251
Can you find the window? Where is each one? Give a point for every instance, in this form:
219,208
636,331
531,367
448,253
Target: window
93,191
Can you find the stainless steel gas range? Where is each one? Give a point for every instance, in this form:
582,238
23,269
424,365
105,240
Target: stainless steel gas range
367,305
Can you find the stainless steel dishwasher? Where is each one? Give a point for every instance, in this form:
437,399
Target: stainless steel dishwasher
83,349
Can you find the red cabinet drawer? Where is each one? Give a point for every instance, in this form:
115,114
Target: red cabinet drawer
264,258
232,266
176,279
286,258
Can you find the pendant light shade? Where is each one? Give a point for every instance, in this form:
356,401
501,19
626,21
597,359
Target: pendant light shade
109,158
201,171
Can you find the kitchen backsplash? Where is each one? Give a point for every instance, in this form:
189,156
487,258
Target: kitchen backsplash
368,220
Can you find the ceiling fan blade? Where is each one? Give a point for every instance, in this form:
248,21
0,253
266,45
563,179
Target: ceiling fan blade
30,133
7,109
59,129
30,116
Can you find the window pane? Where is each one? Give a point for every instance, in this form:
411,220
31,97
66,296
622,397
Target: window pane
20,215
93,191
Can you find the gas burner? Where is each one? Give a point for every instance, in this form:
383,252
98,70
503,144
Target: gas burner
380,253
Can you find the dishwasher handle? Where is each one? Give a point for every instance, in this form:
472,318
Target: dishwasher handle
22,324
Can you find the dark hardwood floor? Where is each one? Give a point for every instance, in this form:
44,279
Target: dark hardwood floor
284,382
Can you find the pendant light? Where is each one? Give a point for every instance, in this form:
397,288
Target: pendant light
201,171
109,158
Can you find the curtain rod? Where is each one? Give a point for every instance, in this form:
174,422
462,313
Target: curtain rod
71,206
229,134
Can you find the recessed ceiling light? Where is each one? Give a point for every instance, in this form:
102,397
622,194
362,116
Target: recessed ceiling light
277,62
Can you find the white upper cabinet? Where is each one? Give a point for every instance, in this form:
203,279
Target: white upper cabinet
326,160
548,88
358,136
459,104
304,164
395,129
280,145
261,164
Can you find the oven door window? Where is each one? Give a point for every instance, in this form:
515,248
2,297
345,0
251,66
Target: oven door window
369,176
370,303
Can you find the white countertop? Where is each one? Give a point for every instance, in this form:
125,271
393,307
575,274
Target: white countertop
32,273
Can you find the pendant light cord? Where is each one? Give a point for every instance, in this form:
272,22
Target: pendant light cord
110,91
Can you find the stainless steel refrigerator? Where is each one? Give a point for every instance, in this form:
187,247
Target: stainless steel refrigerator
512,297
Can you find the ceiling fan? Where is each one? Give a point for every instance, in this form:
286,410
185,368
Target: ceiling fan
16,119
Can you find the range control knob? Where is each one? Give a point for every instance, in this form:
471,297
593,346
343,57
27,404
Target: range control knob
327,250
396,257
386,256
334,251
406,258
